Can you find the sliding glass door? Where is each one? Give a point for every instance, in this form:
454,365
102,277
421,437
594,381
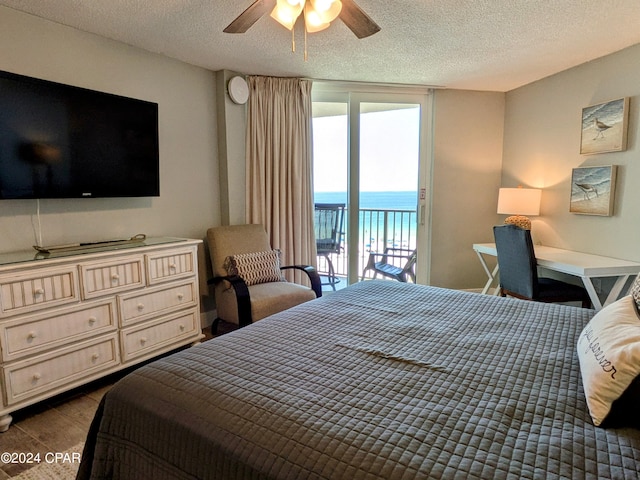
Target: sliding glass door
370,154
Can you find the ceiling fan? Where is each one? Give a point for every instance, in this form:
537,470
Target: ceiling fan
317,15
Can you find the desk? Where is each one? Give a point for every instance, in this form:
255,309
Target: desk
583,265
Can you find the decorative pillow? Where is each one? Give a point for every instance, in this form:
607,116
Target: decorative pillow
634,291
609,354
254,268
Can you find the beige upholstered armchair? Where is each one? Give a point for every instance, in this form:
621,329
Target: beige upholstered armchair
247,276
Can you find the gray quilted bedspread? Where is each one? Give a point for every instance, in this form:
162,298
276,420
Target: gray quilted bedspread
379,381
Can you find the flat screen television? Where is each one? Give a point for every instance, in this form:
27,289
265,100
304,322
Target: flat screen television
60,141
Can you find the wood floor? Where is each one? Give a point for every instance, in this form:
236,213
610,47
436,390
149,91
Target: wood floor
54,425
57,424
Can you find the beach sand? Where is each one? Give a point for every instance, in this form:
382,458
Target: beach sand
612,140
594,206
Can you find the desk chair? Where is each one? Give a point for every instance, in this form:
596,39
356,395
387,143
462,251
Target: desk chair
519,272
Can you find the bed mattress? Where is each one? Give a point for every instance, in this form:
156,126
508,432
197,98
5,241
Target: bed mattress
381,380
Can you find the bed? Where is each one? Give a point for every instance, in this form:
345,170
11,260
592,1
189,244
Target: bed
381,380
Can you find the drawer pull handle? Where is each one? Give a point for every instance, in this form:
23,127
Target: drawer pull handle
92,320
181,327
95,357
180,296
39,292
141,306
173,266
143,340
115,277
36,377
31,335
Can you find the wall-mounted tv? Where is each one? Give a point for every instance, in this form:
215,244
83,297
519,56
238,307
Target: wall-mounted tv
60,141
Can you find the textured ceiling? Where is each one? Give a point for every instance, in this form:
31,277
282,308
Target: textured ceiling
469,44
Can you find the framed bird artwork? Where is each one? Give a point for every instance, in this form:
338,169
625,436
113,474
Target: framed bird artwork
604,127
593,190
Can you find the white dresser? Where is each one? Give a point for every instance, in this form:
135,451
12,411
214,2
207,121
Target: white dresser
69,318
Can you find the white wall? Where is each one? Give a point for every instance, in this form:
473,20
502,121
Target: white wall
542,146
468,140
232,126
468,149
188,150
189,198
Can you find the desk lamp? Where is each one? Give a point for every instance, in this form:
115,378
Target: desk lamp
519,202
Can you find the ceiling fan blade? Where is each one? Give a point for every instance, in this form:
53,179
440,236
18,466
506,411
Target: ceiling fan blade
359,22
250,16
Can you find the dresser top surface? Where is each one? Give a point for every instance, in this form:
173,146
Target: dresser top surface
24,256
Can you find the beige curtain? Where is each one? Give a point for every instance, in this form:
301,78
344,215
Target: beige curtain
279,171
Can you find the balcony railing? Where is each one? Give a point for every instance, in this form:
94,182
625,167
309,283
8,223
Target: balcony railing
379,229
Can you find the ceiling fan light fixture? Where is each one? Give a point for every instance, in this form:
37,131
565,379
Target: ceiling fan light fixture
327,10
313,21
286,14
321,5
315,28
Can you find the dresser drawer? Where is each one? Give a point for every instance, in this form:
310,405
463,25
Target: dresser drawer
37,290
36,375
145,338
138,306
24,336
106,278
165,266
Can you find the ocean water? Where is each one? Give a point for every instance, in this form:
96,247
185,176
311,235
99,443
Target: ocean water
596,179
382,200
377,231
609,113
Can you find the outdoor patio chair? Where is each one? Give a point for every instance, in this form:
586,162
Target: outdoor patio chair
328,221
382,263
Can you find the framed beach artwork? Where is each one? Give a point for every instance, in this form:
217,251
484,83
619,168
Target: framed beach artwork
604,127
593,190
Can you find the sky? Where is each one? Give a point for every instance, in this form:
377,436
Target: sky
389,151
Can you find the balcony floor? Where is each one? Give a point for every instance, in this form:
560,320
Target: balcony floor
338,286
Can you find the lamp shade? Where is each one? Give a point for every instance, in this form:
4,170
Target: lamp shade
519,201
